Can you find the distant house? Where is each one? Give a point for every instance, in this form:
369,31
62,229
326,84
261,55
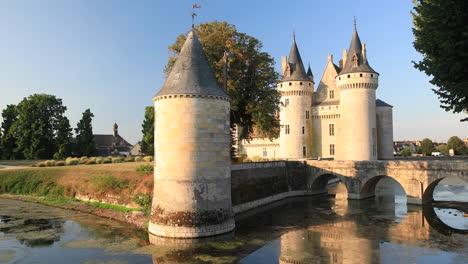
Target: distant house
106,145
136,150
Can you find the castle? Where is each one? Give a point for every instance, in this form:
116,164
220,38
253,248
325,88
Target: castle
341,119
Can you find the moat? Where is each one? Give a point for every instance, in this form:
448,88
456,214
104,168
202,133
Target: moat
295,230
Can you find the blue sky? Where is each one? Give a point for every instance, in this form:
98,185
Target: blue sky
109,55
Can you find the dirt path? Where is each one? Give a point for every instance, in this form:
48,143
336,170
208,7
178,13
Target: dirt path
7,167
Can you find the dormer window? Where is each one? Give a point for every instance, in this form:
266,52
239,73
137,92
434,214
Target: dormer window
355,60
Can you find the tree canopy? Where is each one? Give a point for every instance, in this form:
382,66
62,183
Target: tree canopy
441,36
84,135
147,143
38,118
63,139
8,140
457,145
252,78
427,147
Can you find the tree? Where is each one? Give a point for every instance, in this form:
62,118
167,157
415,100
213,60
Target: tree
63,139
457,145
406,152
252,78
442,148
440,31
38,117
84,135
147,143
9,138
427,147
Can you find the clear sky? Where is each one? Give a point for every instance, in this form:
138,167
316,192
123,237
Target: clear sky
109,55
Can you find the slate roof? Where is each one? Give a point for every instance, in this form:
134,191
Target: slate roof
379,102
296,67
355,48
310,76
191,73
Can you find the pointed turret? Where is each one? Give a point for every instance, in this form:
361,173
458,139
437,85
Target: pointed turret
191,73
356,60
295,70
310,76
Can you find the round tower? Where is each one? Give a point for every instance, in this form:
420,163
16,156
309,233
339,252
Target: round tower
357,83
192,176
296,89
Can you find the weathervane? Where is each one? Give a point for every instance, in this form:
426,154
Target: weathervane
193,14
355,22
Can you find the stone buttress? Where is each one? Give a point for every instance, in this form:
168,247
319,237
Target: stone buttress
192,176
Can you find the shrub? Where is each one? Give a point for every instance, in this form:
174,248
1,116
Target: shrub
40,164
60,163
83,161
99,160
72,161
91,161
117,160
243,155
129,159
49,163
145,168
256,158
107,160
109,182
247,160
144,200
148,158
138,159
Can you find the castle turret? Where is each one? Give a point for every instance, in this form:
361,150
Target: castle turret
296,89
357,83
192,176
115,130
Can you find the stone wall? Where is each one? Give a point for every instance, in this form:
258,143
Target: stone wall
260,183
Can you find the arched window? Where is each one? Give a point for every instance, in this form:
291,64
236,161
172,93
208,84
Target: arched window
355,60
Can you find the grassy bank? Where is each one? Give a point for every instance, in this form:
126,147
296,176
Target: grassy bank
119,184
20,163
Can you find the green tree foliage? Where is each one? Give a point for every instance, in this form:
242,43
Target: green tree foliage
147,143
9,134
38,118
63,139
441,36
457,145
252,77
427,147
406,152
85,145
442,148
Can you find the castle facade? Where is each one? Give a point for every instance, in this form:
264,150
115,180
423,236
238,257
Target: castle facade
342,119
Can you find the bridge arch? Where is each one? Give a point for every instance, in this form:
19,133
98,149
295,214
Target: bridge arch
369,185
320,184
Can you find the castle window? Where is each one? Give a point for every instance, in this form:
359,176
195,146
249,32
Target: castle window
300,83
332,94
281,85
374,150
360,75
307,115
331,129
355,60
339,78
286,102
310,84
290,83
372,75
332,149
349,75
304,152
286,129
303,130
265,153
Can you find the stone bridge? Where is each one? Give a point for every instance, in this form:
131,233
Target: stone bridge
418,178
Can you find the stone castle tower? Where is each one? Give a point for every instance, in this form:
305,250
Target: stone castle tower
357,83
342,119
296,89
192,176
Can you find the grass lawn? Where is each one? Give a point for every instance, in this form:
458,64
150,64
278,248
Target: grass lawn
21,163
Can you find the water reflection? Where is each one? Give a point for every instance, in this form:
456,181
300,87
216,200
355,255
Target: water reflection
328,229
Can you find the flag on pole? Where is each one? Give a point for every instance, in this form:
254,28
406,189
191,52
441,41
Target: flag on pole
196,6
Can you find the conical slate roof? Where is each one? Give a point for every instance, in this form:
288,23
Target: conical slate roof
191,73
355,48
310,76
296,66
380,103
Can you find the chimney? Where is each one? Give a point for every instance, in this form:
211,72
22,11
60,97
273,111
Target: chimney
364,53
345,56
284,62
330,58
